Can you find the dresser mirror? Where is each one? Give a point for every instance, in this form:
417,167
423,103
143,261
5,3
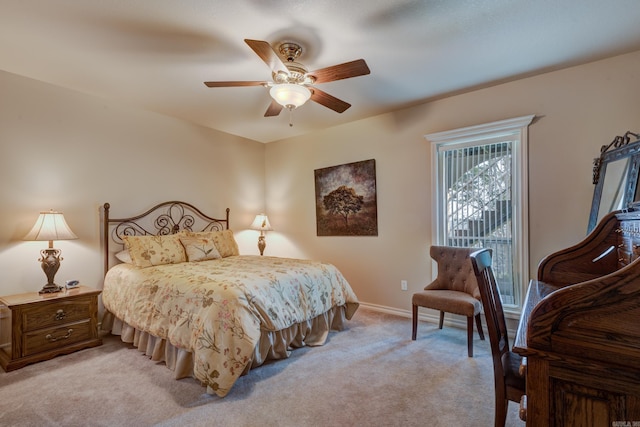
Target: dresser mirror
615,176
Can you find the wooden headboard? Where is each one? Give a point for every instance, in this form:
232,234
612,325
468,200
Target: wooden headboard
165,218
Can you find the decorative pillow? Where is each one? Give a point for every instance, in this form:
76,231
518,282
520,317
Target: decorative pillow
224,241
124,256
199,248
147,251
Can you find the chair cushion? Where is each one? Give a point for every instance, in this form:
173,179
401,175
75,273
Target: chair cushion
450,301
455,270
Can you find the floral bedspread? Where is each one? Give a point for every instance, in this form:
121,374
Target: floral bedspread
216,309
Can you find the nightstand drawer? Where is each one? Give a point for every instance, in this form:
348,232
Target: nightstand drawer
55,314
48,339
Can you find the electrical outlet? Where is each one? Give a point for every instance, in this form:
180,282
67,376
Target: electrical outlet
403,285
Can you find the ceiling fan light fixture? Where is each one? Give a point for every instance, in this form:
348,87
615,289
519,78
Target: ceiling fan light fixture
290,95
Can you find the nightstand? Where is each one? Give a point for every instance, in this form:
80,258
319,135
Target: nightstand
36,327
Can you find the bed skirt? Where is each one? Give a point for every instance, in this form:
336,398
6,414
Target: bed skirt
272,344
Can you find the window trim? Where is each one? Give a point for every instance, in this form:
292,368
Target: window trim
516,128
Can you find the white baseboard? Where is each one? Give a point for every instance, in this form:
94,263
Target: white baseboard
424,314
433,316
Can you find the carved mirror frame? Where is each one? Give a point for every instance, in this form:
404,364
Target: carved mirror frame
618,188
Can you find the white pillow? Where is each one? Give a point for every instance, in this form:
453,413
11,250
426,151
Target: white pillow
124,256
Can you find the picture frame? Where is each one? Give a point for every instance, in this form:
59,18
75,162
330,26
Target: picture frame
346,199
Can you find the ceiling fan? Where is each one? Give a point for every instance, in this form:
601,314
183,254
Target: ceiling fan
292,83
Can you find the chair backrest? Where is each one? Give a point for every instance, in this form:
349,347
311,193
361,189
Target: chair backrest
492,304
455,271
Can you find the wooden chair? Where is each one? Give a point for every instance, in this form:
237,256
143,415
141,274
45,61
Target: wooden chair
454,290
509,382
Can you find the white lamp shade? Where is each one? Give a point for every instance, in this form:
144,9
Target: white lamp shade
261,223
50,226
290,95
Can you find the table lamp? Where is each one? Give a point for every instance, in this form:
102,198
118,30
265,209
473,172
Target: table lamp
261,223
50,226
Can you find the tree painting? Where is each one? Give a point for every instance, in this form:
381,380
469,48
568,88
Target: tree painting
343,201
346,202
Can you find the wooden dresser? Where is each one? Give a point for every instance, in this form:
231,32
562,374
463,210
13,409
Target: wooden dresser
36,327
580,330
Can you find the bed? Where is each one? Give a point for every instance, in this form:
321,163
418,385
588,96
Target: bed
177,288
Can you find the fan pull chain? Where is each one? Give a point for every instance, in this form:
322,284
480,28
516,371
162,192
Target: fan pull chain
290,107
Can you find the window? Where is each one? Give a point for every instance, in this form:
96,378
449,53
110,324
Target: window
480,195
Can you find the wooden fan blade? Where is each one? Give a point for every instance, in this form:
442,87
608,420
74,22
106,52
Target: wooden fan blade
274,109
233,84
267,54
342,71
329,101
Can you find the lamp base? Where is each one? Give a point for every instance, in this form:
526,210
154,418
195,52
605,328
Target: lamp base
50,263
261,244
50,289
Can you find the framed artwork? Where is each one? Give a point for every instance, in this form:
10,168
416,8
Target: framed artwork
346,203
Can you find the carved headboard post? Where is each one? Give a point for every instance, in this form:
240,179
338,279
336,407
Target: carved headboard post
105,236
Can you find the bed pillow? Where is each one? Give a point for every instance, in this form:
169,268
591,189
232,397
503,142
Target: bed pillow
224,241
147,251
199,248
124,256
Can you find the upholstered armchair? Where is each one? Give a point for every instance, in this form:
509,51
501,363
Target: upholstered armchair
455,290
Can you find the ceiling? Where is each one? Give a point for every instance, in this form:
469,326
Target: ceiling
156,54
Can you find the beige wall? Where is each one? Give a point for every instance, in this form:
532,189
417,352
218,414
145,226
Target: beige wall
104,151
73,152
578,110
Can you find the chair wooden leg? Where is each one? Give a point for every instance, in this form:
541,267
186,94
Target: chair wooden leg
441,320
470,336
501,412
501,405
415,322
479,325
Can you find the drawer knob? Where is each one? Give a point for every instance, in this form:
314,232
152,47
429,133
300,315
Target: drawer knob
60,314
51,338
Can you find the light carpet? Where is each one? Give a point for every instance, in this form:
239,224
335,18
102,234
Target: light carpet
371,374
